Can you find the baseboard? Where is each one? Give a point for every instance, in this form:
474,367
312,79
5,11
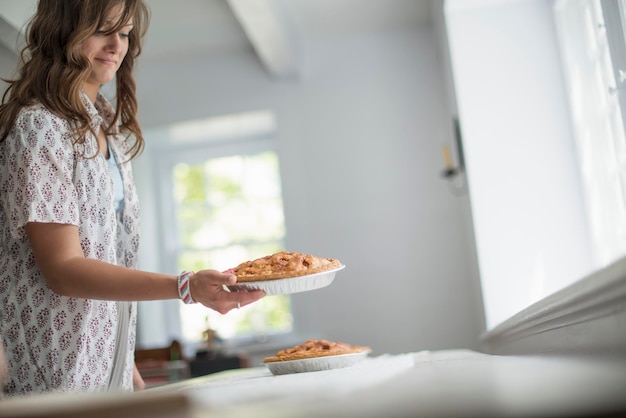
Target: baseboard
584,318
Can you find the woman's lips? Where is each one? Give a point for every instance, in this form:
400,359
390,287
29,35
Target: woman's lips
106,61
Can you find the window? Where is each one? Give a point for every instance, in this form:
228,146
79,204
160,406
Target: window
221,204
591,40
228,210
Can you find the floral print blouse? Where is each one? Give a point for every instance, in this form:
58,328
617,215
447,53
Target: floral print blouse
54,342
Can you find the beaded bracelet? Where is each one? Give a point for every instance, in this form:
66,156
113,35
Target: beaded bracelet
183,287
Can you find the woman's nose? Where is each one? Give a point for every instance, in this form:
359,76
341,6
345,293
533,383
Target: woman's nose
114,42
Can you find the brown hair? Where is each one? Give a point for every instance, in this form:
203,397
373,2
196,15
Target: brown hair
53,68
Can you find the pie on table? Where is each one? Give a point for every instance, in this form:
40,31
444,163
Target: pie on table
316,348
282,265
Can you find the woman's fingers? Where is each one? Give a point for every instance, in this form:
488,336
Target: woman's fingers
207,288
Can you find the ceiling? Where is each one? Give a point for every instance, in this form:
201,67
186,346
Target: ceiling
274,29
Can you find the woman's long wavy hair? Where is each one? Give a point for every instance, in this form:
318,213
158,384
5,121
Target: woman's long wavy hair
53,68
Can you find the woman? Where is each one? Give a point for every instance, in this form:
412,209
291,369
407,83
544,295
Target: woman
69,212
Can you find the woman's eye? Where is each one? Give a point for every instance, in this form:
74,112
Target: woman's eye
102,32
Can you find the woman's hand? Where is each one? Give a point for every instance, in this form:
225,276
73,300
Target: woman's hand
138,383
4,371
214,290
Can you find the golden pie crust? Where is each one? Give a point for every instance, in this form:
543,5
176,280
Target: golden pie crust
316,348
283,265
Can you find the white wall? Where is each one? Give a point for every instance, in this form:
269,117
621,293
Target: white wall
359,137
8,60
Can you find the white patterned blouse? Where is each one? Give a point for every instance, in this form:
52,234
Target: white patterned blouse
53,342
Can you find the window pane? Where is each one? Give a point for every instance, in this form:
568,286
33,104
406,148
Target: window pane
229,210
593,75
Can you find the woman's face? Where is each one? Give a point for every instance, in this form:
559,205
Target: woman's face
105,52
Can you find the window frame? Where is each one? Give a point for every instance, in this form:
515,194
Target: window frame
248,137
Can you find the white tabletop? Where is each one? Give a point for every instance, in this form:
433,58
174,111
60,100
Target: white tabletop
449,383
423,384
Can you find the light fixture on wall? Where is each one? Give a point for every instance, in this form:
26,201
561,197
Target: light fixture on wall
450,169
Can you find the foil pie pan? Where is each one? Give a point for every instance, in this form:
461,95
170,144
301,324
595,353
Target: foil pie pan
292,284
315,364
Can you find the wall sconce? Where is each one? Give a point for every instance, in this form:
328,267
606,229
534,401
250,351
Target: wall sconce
450,169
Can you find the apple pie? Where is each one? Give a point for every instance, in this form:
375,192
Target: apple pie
316,348
282,265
